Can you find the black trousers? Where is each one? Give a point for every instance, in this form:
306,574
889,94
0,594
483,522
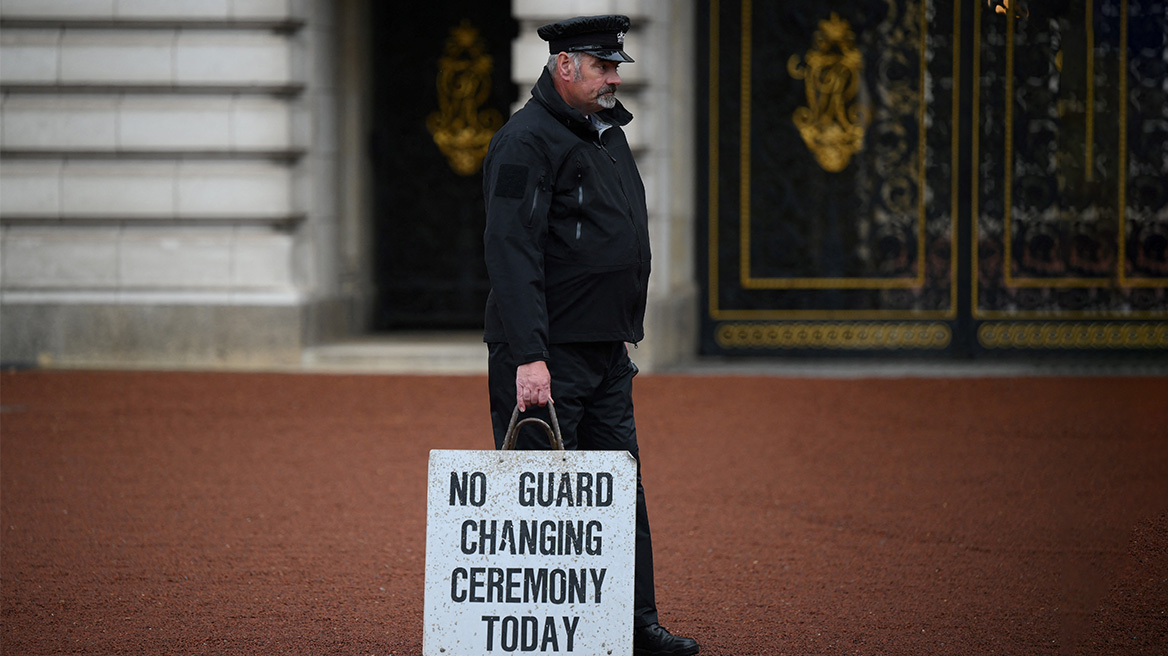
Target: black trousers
592,387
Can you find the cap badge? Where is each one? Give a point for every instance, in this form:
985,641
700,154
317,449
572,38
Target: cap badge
620,38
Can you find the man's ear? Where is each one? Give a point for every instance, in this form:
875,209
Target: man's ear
565,67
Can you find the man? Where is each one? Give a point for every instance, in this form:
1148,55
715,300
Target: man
567,251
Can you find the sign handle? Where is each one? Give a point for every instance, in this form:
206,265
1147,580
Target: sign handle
553,430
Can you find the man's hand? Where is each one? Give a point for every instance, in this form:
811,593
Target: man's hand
533,385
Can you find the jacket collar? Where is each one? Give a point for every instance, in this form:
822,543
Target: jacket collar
544,92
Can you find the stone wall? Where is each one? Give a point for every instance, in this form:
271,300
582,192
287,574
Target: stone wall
167,191
184,182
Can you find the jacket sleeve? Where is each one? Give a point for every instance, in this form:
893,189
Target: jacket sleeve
514,183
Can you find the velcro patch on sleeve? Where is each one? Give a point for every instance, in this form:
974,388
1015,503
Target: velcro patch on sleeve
512,181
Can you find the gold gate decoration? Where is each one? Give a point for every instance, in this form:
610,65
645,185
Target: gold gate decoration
461,130
833,123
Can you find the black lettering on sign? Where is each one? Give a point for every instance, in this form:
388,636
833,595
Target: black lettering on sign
546,538
603,489
477,584
597,581
527,633
594,543
457,594
468,487
570,624
565,489
468,543
528,585
527,533
490,620
514,583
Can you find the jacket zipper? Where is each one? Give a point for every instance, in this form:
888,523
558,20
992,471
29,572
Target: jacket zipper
628,206
535,198
620,180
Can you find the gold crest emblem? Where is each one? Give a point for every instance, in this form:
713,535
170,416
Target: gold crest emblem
833,122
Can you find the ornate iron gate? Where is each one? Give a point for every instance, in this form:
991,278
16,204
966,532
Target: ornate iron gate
441,87
870,190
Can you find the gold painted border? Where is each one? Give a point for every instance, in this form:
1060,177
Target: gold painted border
1124,280
835,336
1090,136
1073,335
975,166
715,311
713,157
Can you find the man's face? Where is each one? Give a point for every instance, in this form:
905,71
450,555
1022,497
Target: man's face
593,87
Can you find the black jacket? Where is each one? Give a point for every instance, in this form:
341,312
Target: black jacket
567,231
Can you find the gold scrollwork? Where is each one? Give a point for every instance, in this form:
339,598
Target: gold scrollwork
833,122
851,336
461,130
1072,335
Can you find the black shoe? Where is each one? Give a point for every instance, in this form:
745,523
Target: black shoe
655,640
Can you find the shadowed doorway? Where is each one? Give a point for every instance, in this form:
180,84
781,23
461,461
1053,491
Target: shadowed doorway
440,88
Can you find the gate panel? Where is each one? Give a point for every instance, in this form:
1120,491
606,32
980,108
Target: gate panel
907,176
832,189
1071,186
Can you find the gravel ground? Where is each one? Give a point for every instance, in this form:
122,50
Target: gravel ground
248,513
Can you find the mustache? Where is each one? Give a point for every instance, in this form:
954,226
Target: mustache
610,89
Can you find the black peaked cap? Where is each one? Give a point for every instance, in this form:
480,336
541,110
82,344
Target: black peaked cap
599,36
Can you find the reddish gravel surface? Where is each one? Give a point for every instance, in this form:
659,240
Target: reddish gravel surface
218,513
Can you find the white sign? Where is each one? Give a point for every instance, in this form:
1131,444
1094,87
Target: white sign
530,552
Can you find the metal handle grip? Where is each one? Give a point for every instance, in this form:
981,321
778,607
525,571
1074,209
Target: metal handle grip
553,430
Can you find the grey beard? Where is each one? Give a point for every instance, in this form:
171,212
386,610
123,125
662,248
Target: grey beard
606,101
